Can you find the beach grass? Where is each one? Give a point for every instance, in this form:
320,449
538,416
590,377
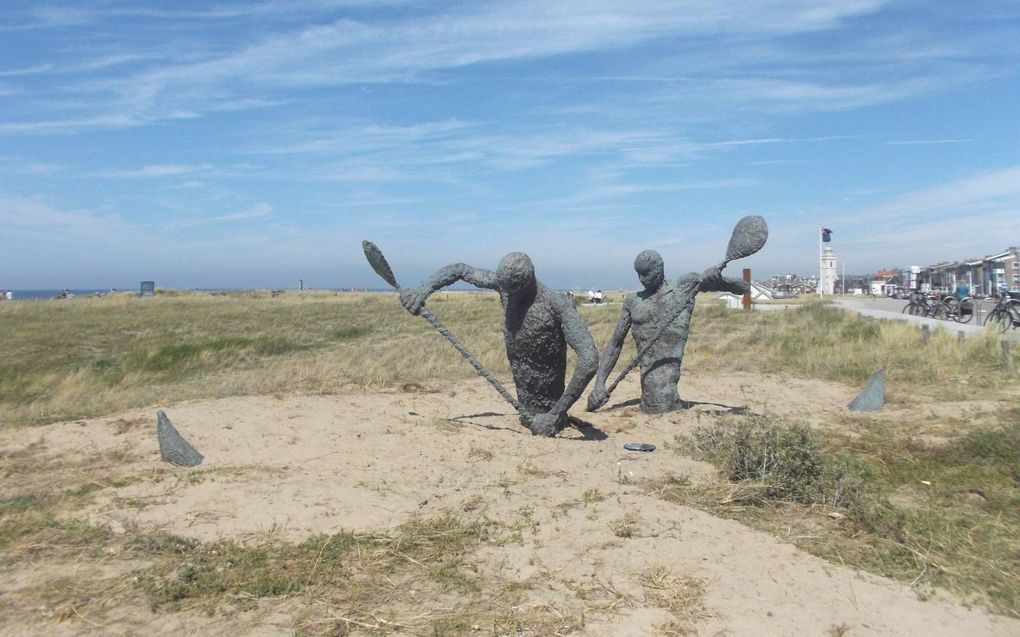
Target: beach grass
871,493
82,357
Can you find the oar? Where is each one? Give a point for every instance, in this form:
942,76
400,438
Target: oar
382,268
748,237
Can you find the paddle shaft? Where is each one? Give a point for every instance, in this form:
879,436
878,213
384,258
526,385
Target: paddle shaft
378,262
434,322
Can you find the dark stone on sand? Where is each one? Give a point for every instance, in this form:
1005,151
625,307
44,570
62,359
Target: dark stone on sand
172,447
872,397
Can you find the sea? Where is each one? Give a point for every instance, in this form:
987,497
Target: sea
26,295
22,295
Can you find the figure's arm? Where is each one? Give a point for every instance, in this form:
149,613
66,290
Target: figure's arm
413,299
576,333
610,355
712,280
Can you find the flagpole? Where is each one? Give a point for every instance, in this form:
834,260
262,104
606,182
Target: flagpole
819,260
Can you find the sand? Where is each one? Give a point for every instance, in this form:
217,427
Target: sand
318,464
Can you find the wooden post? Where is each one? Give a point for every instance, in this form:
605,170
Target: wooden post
747,295
926,333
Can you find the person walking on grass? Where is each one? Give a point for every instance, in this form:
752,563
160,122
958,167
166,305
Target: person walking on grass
538,326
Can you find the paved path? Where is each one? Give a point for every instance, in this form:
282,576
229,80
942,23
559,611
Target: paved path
893,309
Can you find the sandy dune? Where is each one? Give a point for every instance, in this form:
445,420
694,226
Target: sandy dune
303,465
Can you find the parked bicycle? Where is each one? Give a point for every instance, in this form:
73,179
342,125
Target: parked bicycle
954,309
1006,313
920,304
940,306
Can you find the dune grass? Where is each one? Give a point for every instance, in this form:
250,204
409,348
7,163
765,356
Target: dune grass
874,496
75,358
818,340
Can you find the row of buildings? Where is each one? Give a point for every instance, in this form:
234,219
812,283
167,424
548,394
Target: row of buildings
985,275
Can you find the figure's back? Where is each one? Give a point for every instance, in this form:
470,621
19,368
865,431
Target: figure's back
537,350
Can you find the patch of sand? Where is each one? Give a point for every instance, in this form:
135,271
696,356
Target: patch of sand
304,465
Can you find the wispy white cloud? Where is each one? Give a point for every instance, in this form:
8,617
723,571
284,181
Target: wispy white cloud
21,167
30,70
156,170
994,190
347,51
925,142
258,211
954,220
72,124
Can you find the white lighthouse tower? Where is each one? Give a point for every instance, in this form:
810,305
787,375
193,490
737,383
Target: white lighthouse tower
827,284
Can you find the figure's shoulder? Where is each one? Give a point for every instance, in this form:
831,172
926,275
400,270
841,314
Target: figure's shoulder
689,278
559,300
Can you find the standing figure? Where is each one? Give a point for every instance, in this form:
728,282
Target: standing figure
538,325
643,313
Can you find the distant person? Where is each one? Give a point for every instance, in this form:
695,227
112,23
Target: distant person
643,313
538,326
962,291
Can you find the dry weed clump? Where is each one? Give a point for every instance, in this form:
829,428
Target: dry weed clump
785,459
682,595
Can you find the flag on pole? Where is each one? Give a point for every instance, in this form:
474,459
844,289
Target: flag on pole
826,235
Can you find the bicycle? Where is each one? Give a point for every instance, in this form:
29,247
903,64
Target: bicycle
919,304
954,309
1006,312
938,305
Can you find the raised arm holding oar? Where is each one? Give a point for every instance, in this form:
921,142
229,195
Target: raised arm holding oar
538,326
659,317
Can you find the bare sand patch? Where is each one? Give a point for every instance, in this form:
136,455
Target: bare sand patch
586,541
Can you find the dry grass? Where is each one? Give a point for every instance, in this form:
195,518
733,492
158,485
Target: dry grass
818,340
881,499
103,355
682,595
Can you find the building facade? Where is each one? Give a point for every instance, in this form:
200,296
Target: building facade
985,276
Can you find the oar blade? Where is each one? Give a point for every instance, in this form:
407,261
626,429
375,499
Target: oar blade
749,235
378,262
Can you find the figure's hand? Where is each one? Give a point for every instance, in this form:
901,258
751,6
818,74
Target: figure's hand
714,272
743,287
413,300
598,397
545,424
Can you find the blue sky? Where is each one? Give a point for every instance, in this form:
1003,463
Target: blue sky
250,144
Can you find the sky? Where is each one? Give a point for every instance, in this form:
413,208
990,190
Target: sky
253,144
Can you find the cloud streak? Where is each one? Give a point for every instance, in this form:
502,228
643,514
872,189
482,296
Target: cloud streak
368,50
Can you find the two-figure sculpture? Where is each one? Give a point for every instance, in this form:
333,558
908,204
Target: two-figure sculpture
539,325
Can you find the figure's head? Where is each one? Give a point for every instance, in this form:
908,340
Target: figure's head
516,273
650,270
